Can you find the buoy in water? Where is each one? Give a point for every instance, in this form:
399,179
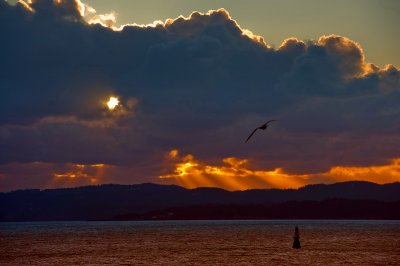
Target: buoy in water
296,240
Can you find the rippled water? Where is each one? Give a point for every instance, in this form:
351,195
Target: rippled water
200,243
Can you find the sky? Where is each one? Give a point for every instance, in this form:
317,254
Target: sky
372,23
127,92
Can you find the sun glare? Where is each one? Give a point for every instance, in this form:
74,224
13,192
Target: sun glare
112,103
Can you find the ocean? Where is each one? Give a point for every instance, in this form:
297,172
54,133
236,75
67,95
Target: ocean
324,242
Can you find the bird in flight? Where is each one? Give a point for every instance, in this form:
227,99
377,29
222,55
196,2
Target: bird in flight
263,127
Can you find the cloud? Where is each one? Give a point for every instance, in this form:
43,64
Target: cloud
234,174
198,83
237,174
348,55
91,173
50,175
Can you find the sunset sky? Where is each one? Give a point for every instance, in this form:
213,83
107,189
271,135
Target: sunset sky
127,92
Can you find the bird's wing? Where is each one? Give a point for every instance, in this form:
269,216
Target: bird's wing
270,121
252,133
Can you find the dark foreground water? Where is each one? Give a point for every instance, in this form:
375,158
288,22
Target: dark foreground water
200,243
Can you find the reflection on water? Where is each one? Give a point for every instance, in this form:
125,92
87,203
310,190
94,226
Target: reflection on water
200,243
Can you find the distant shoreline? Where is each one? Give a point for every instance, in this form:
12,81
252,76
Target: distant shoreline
332,209
149,202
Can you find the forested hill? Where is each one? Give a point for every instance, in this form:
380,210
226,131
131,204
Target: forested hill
108,201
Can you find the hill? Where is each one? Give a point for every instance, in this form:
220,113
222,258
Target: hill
105,202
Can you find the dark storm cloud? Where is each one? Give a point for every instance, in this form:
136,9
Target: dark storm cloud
197,84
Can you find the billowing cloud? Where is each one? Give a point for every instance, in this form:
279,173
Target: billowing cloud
198,84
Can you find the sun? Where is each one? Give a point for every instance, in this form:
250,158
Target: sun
112,103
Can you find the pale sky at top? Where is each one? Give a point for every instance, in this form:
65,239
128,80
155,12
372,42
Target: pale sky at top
372,23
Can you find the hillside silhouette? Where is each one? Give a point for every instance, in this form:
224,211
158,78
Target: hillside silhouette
325,209
105,202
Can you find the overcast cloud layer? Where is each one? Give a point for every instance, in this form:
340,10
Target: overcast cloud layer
198,84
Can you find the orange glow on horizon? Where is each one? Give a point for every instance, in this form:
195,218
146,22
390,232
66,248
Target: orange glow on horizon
377,173
91,173
235,174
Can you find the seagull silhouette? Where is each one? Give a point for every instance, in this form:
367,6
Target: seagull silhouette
263,127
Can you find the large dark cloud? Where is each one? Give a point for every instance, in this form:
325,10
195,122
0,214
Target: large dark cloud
197,84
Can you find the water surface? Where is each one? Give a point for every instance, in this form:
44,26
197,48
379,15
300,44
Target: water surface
200,243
